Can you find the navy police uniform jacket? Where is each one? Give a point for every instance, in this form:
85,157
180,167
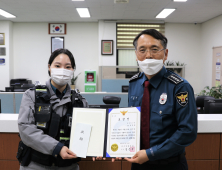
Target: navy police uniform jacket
173,115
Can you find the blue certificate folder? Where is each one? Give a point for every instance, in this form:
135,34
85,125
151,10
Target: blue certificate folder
121,125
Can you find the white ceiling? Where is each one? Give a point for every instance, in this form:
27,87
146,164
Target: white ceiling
192,11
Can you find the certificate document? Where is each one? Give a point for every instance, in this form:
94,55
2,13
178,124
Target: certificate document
123,132
115,132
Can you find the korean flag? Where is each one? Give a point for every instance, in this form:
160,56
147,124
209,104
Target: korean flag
57,28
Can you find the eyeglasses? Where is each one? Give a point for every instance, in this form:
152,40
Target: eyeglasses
142,52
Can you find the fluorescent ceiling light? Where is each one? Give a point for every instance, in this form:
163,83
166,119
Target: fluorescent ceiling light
78,0
164,13
179,0
6,14
83,12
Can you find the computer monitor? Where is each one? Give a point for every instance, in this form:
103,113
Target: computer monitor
130,74
0,106
125,88
103,106
213,106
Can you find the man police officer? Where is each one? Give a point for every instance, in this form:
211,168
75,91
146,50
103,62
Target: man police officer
173,115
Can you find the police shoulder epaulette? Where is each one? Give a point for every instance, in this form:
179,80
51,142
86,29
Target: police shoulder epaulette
134,77
175,78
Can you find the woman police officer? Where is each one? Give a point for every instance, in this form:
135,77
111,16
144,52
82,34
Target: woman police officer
41,133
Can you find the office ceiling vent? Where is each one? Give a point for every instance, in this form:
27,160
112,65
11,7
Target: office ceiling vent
121,1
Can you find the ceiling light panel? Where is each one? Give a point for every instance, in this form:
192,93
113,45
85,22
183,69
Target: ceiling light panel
83,12
180,0
121,1
6,14
164,13
78,0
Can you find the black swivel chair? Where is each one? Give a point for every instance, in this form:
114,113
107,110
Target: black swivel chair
200,103
110,102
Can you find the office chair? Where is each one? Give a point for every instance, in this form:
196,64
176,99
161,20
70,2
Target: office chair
110,102
200,103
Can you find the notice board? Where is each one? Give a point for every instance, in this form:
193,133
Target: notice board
216,66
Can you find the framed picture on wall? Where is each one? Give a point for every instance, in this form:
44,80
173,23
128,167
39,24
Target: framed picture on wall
2,61
56,43
107,47
2,51
58,29
2,38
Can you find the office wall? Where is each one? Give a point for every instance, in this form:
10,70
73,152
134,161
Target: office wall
6,70
188,43
32,48
211,36
107,31
184,46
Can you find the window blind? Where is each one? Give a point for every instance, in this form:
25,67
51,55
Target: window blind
126,33
127,58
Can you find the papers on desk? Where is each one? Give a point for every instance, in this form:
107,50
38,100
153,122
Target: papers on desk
114,132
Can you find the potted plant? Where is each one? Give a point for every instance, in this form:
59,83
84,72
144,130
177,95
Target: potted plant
169,63
179,64
215,92
73,81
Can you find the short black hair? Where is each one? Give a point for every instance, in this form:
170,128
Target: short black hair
62,51
155,34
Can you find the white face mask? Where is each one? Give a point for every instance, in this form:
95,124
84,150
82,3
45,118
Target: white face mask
150,66
61,76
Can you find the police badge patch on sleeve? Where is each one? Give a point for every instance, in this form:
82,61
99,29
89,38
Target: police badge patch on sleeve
182,98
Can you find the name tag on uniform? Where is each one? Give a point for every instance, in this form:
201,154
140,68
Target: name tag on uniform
70,121
41,124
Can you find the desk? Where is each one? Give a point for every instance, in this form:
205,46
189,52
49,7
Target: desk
9,140
204,154
11,101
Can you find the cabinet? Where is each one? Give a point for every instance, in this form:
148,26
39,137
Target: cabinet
100,165
8,149
204,154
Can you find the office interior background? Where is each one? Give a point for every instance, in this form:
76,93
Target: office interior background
193,29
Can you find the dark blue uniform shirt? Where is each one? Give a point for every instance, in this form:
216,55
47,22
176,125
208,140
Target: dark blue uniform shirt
173,124
57,92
